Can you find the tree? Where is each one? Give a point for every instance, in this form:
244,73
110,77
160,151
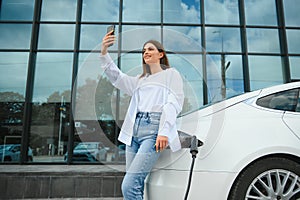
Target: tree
11,107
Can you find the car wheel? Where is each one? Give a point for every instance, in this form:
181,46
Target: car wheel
270,178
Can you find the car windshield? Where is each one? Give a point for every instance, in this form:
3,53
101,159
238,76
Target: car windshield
85,146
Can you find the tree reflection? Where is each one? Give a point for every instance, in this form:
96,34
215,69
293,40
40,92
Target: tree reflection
11,107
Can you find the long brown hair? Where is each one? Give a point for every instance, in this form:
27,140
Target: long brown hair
164,62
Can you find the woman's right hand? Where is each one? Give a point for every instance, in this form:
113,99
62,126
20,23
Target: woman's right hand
107,41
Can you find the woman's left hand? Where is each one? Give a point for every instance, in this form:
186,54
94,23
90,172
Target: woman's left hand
161,143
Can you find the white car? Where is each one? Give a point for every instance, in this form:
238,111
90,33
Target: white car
89,152
251,150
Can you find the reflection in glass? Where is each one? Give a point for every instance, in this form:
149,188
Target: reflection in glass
94,91
265,71
182,38
260,12
15,36
263,40
295,68
109,10
95,105
141,11
134,37
190,68
16,9
234,75
293,41
52,77
131,65
49,130
91,37
13,73
291,12
176,11
56,36
225,76
221,12
57,10
51,105
223,39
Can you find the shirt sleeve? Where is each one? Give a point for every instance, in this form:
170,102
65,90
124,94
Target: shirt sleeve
119,79
173,106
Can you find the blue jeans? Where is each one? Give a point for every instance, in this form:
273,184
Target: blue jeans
141,155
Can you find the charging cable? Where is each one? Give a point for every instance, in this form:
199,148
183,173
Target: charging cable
193,151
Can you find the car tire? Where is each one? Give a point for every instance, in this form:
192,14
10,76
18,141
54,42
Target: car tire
260,180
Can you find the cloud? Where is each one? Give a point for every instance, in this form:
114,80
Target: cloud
225,12
56,36
57,10
260,12
95,10
291,11
263,40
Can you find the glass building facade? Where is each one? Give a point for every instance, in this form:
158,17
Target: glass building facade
54,97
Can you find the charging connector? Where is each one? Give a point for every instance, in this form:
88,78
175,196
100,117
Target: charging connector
194,146
194,152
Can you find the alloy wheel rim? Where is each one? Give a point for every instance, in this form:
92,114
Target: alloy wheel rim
277,184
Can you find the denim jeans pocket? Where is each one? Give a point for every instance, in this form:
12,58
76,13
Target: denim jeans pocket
146,124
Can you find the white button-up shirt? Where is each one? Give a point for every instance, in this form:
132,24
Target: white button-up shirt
159,92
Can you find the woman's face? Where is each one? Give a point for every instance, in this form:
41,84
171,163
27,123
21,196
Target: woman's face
151,55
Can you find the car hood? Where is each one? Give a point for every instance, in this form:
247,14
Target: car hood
83,151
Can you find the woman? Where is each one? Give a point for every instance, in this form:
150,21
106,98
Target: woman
150,122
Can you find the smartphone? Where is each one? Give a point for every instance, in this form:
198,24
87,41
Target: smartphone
111,28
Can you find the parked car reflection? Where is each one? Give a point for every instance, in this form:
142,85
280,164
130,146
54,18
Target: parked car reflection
120,154
11,153
88,152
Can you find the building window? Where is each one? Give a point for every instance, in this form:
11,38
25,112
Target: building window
21,10
141,11
291,12
186,12
265,71
109,10
221,12
57,10
13,73
261,12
